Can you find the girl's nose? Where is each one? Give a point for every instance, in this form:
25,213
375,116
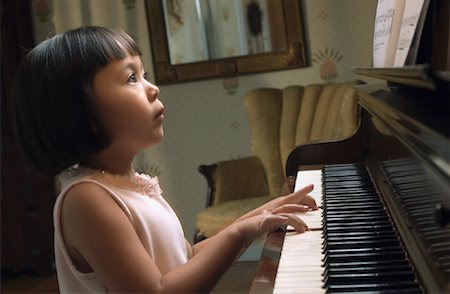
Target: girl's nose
152,91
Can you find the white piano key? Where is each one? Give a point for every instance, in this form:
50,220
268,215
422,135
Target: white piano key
300,263
312,218
295,279
300,266
307,177
296,291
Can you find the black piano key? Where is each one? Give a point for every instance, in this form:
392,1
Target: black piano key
351,203
437,238
343,177
356,237
359,243
365,256
356,185
339,236
346,166
384,291
360,228
361,236
357,268
369,277
364,251
406,287
361,249
351,200
350,207
349,193
343,217
356,263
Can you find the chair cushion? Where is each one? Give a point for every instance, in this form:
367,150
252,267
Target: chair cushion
214,218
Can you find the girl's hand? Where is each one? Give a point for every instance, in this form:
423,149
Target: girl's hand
298,201
253,227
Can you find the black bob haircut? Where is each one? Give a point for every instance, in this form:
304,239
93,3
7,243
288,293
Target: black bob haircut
54,112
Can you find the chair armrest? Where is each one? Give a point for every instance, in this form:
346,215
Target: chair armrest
207,171
234,179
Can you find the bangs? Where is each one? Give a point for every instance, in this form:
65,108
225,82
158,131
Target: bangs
98,46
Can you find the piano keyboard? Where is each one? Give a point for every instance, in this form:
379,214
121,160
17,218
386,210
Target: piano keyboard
300,266
351,245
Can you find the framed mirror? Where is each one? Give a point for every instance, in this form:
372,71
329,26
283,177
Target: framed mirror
203,39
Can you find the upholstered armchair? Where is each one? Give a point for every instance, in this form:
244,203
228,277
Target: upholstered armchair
279,119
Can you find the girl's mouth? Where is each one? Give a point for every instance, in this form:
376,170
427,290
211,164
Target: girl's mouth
160,114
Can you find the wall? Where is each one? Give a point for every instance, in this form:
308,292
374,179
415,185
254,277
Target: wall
206,120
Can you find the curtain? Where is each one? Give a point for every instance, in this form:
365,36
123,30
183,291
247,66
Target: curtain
52,17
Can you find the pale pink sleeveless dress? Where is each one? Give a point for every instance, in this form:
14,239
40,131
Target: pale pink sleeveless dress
154,220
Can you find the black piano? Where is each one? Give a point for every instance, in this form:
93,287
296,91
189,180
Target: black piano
385,195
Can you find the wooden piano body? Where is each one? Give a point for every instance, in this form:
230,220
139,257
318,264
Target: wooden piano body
405,124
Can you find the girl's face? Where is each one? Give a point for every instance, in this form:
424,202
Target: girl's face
128,104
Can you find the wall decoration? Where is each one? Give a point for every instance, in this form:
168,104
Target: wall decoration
129,4
235,124
230,85
225,13
327,60
323,14
42,10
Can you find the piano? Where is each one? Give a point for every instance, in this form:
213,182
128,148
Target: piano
384,193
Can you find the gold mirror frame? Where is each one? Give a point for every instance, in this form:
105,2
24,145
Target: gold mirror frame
166,73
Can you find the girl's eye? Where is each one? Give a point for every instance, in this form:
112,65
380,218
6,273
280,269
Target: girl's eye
132,78
146,76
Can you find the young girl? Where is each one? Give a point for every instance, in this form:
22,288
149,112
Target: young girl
84,108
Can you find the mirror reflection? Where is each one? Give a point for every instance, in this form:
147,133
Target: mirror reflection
201,30
204,39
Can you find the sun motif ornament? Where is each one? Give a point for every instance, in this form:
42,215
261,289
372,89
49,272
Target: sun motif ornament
42,10
327,60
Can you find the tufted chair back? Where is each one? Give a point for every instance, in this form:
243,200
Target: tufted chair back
281,119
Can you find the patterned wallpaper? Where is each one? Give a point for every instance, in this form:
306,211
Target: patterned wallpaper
206,120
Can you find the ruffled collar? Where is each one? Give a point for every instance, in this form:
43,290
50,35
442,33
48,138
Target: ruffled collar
139,182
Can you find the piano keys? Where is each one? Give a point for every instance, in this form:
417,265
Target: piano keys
300,266
395,210
354,249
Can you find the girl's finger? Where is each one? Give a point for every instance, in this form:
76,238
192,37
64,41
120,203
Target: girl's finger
297,196
290,208
274,220
310,202
297,223
302,197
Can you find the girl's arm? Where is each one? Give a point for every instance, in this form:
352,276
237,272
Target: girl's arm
292,203
101,238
